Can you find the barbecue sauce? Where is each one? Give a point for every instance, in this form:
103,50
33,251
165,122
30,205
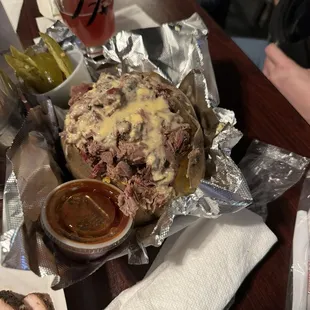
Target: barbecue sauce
86,213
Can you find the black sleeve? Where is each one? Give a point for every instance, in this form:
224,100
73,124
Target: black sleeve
290,29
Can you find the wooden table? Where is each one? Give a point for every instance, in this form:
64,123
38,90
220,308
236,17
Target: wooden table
263,114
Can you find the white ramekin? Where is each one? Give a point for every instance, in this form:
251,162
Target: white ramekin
60,95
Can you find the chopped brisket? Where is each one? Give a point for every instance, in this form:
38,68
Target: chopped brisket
141,146
132,152
139,195
78,91
107,157
123,169
178,140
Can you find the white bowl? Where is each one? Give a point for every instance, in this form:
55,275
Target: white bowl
61,94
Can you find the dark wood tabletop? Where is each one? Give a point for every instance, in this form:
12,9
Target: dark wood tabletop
262,113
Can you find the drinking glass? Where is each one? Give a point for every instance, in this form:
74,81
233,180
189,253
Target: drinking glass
92,21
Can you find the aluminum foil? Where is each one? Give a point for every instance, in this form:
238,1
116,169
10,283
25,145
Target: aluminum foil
270,172
12,115
178,52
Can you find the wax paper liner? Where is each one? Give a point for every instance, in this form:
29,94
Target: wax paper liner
178,52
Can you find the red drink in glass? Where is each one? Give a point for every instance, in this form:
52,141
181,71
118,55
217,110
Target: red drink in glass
94,24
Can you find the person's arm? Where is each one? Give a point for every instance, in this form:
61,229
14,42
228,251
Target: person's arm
289,78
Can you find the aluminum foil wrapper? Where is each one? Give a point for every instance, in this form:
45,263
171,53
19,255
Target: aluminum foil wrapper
12,115
270,172
178,52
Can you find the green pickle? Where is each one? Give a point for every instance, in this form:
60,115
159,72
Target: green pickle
8,86
30,74
22,57
30,51
42,72
60,56
48,66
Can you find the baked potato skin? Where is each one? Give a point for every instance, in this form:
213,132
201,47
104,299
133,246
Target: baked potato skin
193,167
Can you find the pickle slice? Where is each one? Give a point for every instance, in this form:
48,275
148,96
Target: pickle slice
30,51
7,85
21,56
60,56
48,66
30,74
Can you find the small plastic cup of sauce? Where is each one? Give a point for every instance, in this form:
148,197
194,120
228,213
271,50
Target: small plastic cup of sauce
83,219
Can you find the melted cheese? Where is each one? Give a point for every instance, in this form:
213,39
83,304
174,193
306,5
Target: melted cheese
135,119
83,125
156,112
106,180
131,113
146,114
143,92
115,83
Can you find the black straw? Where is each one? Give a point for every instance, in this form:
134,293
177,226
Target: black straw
78,9
91,20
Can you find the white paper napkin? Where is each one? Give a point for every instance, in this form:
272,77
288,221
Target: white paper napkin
48,8
203,267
